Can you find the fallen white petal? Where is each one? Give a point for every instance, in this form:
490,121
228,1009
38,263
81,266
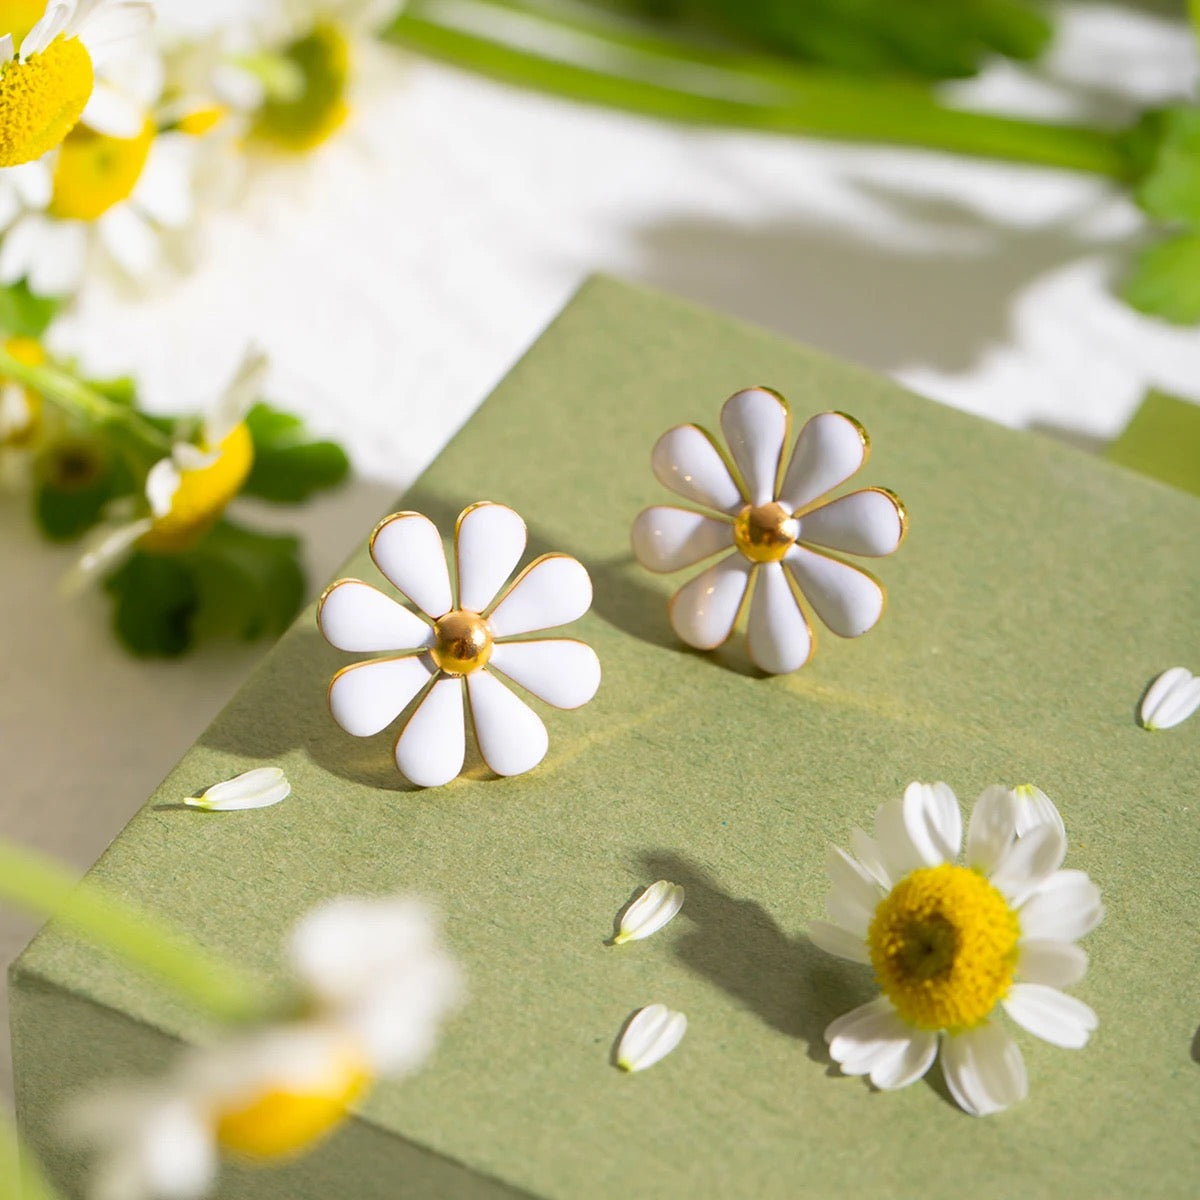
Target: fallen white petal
259,788
657,905
1172,698
652,1034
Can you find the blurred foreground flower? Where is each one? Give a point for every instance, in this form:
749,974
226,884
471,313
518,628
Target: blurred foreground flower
378,984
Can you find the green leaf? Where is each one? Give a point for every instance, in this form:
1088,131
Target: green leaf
156,603
1169,187
1165,280
22,314
288,466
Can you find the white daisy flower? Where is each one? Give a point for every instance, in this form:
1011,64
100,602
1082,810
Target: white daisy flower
776,525
460,644
377,984
72,55
953,945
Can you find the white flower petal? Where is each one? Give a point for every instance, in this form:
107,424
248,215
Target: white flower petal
1050,1014
259,788
686,461
984,1070
553,590
33,182
162,482
1172,698
848,600
407,548
489,540
911,1064
652,1034
933,821
704,611
657,905
357,617
512,738
113,112
560,671
852,889
873,1040
164,191
1034,807
867,852
51,255
895,847
7,50
1063,908
755,423
109,23
778,638
668,539
242,392
831,447
1054,963
365,698
51,23
992,828
432,745
105,551
869,522
130,239
1028,862
833,939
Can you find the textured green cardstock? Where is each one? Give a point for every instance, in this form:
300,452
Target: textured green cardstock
1163,440
1039,592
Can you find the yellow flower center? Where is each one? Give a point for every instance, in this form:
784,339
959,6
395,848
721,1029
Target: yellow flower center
94,172
19,421
464,642
202,495
943,944
202,120
285,1120
301,122
765,532
41,99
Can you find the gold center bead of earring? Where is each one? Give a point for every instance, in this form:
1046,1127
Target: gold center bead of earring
464,642
765,532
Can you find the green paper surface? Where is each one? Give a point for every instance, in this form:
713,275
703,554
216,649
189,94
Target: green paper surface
1039,592
1162,439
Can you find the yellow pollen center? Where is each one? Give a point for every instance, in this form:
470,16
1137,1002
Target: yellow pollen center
287,1119
943,944
765,532
41,99
464,642
202,495
95,172
301,122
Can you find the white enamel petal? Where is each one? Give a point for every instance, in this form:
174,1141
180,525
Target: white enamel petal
1050,1014
657,905
992,828
431,747
1028,862
703,612
512,737
933,822
407,548
867,522
1065,907
1034,807
355,616
489,542
1054,963
652,1034
984,1070
833,939
553,590
560,671
1172,698
259,788
668,539
367,697
831,447
846,599
755,424
778,638
685,460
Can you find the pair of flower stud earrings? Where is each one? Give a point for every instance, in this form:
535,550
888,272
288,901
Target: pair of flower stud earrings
465,640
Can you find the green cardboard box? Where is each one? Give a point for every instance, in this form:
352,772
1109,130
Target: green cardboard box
1038,593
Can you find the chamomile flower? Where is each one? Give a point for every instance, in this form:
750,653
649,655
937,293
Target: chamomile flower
952,946
70,52
376,983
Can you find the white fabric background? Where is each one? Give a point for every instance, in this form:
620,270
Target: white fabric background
397,275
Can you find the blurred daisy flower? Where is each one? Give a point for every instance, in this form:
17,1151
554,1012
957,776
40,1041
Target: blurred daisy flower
376,982
952,945
58,63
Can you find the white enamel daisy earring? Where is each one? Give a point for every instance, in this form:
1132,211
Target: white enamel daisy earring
778,525
459,644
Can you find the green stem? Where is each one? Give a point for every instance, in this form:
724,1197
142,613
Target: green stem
46,889
76,397
547,47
